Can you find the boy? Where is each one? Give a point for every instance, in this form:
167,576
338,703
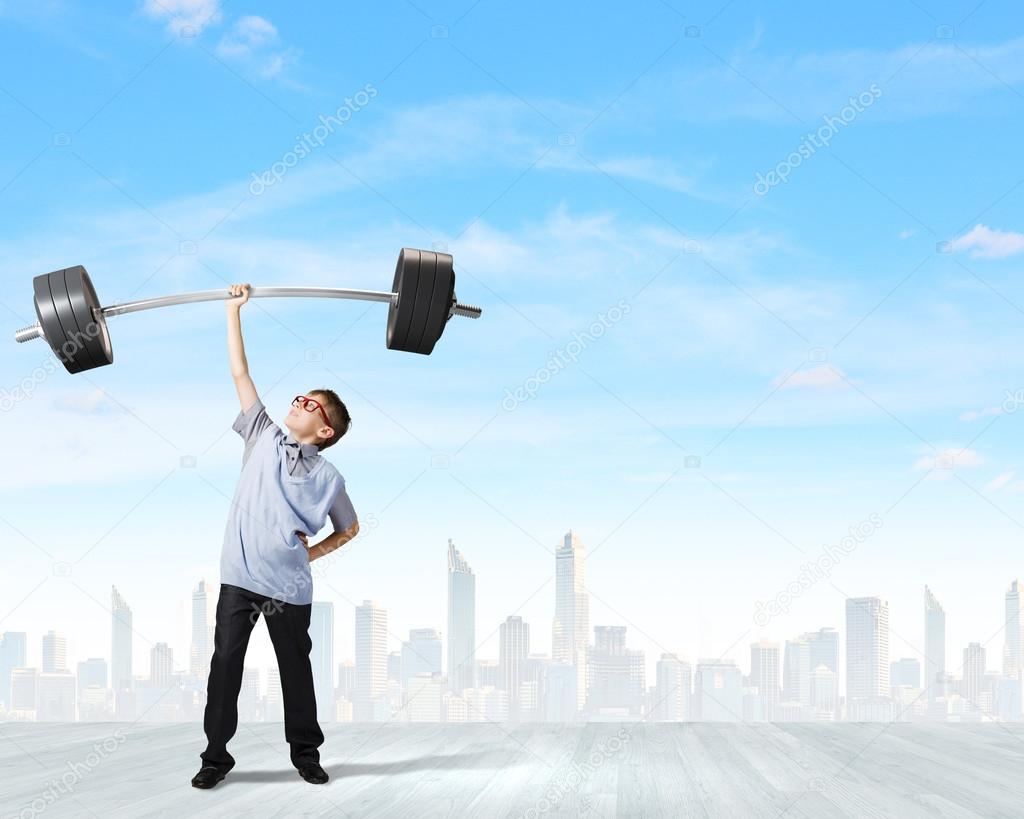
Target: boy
286,490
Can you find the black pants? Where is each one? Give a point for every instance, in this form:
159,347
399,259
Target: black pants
237,612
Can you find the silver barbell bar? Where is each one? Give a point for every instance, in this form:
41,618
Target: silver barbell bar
456,309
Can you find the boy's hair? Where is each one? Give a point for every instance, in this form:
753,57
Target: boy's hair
336,410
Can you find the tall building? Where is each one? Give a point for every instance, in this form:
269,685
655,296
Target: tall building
615,675
201,647
796,672
371,660
120,643
161,665
824,692
571,627
273,701
56,697
974,683
346,689
321,658
559,702
24,692
906,671
461,622
1013,630
513,649
823,646
55,653
867,648
423,703
672,695
92,673
934,644
421,654
718,691
13,651
764,675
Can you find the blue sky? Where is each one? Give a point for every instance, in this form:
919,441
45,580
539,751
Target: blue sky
820,348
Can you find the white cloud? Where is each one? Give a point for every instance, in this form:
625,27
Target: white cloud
1000,481
974,415
906,234
944,463
184,16
247,34
930,78
986,243
87,402
823,376
252,39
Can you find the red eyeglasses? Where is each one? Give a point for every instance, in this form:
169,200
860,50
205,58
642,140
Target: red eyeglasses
311,405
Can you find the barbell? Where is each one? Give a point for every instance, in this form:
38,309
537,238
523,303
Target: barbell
71,320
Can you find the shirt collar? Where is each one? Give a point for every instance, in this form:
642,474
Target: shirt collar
305,450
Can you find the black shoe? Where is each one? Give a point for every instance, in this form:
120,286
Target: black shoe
207,777
312,772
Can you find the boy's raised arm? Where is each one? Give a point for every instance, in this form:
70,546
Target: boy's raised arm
247,395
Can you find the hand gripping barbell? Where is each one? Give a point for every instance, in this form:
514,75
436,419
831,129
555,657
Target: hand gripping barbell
421,301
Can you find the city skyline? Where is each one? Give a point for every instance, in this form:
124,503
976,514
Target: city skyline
796,678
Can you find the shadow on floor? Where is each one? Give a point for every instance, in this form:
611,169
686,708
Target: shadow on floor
436,763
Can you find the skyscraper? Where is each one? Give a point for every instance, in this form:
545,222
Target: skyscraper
120,643
571,627
1013,648
13,650
906,671
867,648
764,674
161,665
823,646
92,673
55,653
718,691
461,621
974,676
934,644
371,659
321,658
513,649
796,671
616,675
201,648
672,690
421,654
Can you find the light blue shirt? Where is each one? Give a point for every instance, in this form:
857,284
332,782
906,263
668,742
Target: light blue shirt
285,488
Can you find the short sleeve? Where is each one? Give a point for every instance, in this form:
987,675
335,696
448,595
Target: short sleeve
250,423
343,516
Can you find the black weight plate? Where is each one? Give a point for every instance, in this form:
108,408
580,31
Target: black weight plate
43,287
66,314
424,298
86,307
407,275
439,303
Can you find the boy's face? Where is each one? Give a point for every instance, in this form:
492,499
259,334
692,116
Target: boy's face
307,425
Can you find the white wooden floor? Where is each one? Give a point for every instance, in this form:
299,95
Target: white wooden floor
535,770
